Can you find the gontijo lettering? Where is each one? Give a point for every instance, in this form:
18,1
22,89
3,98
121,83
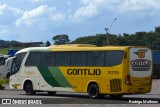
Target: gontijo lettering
84,72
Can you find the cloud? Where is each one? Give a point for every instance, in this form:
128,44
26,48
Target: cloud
87,11
57,17
15,10
41,13
138,6
2,7
91,8
28,16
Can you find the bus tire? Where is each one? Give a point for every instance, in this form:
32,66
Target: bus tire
29,88
93,91
51,92
113,96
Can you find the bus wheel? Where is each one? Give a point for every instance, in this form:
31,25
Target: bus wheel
115,96
29,89
51,92
93,91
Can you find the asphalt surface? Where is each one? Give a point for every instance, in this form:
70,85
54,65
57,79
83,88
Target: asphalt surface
79,99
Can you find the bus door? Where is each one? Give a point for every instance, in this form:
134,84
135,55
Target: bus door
140,66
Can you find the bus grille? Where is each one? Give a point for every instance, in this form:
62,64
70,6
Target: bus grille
115,85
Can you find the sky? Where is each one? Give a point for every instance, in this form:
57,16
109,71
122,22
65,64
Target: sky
40,20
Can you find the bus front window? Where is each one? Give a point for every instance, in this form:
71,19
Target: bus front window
17,61
14,68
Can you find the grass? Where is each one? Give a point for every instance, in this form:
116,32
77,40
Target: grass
3,81
4,51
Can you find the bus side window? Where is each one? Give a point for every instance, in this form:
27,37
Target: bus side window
78,58
47,59
113,58
62,59
33,59
95,58
40,59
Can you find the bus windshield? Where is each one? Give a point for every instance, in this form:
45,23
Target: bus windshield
17,61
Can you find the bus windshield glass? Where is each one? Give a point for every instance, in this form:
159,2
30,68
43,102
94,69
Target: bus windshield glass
17,61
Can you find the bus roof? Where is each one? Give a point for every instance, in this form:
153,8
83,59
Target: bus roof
75,47
85,47
33,49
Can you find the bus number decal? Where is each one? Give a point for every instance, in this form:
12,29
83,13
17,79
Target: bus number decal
113,72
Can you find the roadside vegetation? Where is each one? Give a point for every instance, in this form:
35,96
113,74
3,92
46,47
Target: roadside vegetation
3,82
3,51
150,39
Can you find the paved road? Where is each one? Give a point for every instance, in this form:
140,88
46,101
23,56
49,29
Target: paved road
77,98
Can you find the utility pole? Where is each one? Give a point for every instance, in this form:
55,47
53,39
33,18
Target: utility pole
109,29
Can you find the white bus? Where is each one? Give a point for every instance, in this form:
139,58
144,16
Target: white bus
5,66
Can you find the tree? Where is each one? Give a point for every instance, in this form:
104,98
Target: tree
157,29
150,39
61,39
48,43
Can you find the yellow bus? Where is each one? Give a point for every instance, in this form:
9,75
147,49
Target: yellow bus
82,68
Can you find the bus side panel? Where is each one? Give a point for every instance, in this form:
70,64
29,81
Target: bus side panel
51,79
80,77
